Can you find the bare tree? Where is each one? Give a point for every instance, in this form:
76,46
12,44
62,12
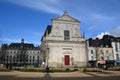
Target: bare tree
3,53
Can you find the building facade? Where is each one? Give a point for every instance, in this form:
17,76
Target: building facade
116,51
100,55
62,43
100,52
20,54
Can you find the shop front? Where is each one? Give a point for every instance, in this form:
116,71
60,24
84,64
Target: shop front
101,64
92,63
117,63
110,63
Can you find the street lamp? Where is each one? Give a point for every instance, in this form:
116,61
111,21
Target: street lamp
47,56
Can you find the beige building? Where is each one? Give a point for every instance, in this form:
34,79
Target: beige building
100,53
62,43
105,53
20,54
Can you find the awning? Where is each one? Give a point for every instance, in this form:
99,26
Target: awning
117,61
92,61
101,62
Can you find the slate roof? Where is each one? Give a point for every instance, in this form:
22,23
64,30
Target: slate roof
105,41
18,45
21,45
47,31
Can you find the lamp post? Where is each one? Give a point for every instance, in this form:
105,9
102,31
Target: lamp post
47,57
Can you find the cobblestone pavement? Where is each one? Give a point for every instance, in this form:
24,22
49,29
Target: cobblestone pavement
106,75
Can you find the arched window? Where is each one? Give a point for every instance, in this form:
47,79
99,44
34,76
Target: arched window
66,35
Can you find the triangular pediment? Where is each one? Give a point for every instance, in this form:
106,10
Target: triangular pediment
66,17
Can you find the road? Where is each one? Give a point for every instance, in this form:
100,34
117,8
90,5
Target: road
60,76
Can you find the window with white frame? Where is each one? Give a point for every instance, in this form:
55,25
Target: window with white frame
91,51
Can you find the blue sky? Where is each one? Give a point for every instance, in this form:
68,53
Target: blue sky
28,18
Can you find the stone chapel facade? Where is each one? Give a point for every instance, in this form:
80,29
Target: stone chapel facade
62,44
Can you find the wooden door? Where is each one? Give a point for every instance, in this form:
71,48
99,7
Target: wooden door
67,60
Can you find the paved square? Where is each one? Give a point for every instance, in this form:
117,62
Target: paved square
60,76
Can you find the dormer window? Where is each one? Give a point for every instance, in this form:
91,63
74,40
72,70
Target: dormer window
66,35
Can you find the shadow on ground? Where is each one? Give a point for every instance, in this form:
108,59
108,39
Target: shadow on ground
48,77
98,73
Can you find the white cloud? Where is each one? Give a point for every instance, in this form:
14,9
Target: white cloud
116,31
80,10
49,6
100,36
58,6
